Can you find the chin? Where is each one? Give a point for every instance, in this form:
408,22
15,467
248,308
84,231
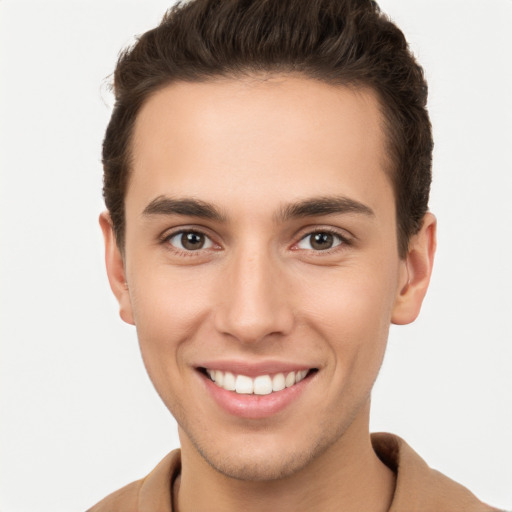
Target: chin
258,468
260,461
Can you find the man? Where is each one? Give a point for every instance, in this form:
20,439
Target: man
267,172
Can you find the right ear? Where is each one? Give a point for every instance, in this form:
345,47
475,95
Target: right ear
115,269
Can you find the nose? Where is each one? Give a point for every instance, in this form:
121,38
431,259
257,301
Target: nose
254,301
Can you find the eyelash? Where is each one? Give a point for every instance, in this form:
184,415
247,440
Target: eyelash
167,237
343,241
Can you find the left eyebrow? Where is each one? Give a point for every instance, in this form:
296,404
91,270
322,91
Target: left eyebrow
326,205
190,207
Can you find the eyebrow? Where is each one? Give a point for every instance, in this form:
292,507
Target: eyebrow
187,206
313,207
326,205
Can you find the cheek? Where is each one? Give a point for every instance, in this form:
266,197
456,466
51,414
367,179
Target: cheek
168,308
356,298
352,312
166,298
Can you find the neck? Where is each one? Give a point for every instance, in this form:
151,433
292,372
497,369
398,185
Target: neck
348,476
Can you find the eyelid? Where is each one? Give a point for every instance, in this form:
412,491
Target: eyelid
167,235
337,241
208,242
345,237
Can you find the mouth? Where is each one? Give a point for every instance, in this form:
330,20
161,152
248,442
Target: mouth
266,384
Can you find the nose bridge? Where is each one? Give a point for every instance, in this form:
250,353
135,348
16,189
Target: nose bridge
254,301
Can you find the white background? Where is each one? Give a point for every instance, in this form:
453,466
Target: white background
79,417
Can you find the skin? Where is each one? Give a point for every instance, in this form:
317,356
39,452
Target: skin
259,290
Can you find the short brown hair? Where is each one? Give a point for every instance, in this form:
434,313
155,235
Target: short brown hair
340,42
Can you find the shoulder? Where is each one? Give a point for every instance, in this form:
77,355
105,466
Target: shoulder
125,499
154,492
419,487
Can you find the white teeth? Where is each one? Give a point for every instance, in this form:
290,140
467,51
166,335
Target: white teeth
261,385
290,379
244,385
278,382
229,382
219,378
300,375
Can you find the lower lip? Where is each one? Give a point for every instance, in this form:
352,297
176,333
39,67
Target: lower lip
255,406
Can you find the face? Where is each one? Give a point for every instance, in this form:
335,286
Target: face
261,252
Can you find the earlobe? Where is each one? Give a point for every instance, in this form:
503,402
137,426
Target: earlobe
417,269
115,269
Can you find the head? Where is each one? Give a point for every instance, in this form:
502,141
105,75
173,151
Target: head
266,174
348,42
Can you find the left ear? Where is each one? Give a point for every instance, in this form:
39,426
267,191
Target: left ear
417,269
116,269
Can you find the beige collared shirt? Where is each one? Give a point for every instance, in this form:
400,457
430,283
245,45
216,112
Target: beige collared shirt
418,487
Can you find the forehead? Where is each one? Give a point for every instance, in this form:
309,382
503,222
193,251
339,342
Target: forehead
283,136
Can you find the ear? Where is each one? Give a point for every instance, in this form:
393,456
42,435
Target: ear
115,269
416,272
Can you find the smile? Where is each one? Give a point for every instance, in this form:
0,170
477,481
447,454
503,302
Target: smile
260,385
256,390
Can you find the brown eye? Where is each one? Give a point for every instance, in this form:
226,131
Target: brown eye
320,241
190,241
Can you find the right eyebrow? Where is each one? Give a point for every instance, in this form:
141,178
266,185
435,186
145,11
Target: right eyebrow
326,205
190,207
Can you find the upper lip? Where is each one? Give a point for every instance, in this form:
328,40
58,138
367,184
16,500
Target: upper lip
253,369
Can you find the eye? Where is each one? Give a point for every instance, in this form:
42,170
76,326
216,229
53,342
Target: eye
190,241
320,241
